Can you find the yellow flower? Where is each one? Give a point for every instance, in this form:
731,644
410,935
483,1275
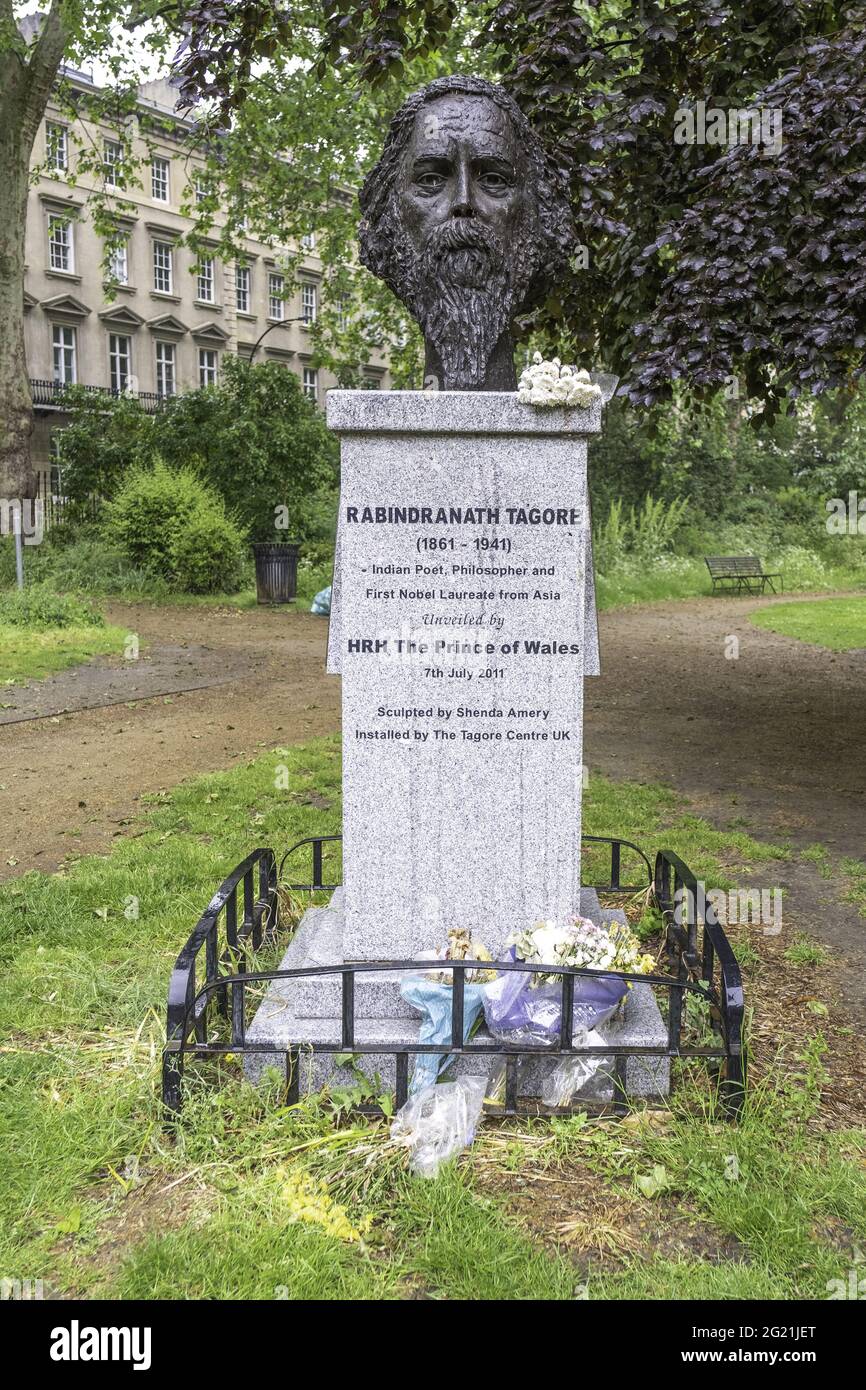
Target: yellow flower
308,1200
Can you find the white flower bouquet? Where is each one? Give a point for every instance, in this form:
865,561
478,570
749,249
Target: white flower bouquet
550,383
520,1006
580,942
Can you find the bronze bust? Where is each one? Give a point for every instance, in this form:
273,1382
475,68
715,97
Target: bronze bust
467,220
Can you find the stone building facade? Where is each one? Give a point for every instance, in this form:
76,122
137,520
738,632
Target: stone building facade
170,322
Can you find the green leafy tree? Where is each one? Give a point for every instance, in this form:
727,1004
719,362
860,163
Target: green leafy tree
32,53
696,261
103,439
263,444
255,437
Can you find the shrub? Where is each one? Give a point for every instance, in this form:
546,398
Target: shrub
801,568
207,554
40,607
643,535
172,524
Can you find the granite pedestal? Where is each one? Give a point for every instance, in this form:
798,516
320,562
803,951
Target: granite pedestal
463,627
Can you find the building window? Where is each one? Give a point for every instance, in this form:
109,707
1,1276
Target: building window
208,363
205,281
311,383
57,147
112,163
165,373
308,303
276,302
118,263
119,361
370,383
60,249
201,186
243,288
63,345
344,313
308,241
159,178
162,270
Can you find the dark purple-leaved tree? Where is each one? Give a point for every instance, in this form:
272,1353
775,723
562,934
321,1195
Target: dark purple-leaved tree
715,150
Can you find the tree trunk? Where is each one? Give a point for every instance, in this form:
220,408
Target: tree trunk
16,415
25,86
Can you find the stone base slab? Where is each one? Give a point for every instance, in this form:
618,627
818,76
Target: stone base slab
295,1012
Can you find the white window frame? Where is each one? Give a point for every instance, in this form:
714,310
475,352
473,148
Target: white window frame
61,249
200,186
310,382
112,158
118,262
309,301
119,361
308,241
208,366
243,288
166,358
206,280
64,354
160,178
164,270
276,302
57,146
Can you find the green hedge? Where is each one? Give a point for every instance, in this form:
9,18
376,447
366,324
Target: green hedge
170,523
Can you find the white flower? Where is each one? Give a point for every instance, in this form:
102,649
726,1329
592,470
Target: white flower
552,383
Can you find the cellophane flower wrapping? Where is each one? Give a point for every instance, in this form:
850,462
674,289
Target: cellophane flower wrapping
522,1007
438,1122
433,1001
518,1011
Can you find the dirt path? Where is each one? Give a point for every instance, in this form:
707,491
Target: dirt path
771,739
212,688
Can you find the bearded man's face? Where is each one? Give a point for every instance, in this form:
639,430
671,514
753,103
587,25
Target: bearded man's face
466,232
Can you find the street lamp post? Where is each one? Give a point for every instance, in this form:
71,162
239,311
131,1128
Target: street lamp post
271,326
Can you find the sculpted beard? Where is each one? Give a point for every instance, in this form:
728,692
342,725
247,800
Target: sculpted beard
462,294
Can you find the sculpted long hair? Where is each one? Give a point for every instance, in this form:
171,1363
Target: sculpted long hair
382,250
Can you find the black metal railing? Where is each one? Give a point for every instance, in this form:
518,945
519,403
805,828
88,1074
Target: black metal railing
699,949
702,967
54,394
225,932
619,849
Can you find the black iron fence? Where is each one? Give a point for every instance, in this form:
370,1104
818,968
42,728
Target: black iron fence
210,1018
52,395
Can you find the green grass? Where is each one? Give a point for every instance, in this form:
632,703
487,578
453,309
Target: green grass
687,577
27,655
839,624
804,951
100,1201
652,584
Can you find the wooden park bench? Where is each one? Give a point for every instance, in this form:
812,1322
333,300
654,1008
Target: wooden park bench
740,574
